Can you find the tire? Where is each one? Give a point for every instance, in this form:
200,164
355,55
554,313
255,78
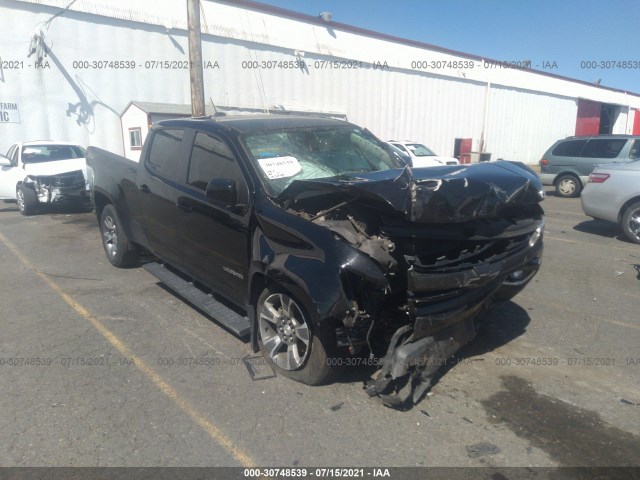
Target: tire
284,328
26,200
631,222
119,250
568,186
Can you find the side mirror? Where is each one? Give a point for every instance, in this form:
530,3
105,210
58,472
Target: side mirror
222,191
5,162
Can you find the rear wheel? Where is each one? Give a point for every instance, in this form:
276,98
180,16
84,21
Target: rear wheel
120,251
295,346
26,200
631,222
568,186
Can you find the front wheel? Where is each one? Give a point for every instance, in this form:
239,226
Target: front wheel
26,200
291,343
119,250
631,222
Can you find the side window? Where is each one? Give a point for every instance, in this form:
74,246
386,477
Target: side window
603,147
135,138
164,151
634,152
211,158
569,148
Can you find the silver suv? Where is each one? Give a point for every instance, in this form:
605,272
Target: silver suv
569,162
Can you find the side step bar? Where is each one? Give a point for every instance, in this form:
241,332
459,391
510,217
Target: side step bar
233,321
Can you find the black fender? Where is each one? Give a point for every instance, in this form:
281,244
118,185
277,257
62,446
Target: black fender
314,279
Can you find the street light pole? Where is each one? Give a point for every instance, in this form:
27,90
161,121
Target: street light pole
195,59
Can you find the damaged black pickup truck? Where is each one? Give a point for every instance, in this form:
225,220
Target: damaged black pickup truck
311,237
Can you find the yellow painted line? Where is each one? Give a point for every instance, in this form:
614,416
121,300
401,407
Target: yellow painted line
592,244
210,428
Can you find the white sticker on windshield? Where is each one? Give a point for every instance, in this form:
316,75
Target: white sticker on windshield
28,151
279,167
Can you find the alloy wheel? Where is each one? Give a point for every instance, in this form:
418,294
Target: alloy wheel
20,200
633,223
110,236
284,331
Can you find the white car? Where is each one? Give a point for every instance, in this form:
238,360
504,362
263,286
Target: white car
613,194
43,172
421,155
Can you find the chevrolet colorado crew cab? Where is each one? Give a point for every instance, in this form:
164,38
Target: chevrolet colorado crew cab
311,237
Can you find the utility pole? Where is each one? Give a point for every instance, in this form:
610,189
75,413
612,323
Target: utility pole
195,59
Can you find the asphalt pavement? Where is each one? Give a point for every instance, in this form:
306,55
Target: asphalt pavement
103,367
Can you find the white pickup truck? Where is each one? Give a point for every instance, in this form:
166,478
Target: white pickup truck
43,172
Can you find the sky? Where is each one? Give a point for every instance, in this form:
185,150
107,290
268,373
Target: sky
576,35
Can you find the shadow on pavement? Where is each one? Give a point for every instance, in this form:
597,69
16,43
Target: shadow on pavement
602,228
502,324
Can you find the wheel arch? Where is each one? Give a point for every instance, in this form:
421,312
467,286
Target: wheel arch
101,200
566,172
626,205
284,283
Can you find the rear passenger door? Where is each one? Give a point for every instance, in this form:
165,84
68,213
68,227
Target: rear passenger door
157,186
598,151
215,241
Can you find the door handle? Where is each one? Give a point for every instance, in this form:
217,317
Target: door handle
143,188
187,207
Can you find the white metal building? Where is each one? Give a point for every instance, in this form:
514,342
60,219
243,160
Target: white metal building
70,68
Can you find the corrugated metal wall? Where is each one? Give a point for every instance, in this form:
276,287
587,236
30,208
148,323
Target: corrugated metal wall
522,125
83,104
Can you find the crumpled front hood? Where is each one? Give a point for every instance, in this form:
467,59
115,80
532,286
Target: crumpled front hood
56,167
447,194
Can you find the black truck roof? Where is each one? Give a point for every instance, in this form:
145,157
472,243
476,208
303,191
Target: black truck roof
243,124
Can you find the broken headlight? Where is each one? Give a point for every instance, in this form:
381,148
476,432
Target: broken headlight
535,236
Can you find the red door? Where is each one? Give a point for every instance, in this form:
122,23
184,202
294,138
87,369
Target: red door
636,123
588,121
465,149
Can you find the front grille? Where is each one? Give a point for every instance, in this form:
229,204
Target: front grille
451,256
63,180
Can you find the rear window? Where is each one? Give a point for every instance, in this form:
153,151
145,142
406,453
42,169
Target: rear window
603,147
569,148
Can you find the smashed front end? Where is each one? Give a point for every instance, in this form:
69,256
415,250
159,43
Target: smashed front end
62,187
447,241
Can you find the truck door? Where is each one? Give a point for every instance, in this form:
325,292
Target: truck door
156,182
215,240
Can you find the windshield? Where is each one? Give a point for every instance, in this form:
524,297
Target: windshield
318,152
50,153
420,150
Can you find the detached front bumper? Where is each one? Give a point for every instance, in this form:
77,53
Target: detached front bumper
444,308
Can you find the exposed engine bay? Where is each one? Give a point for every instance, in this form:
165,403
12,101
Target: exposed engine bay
448,247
